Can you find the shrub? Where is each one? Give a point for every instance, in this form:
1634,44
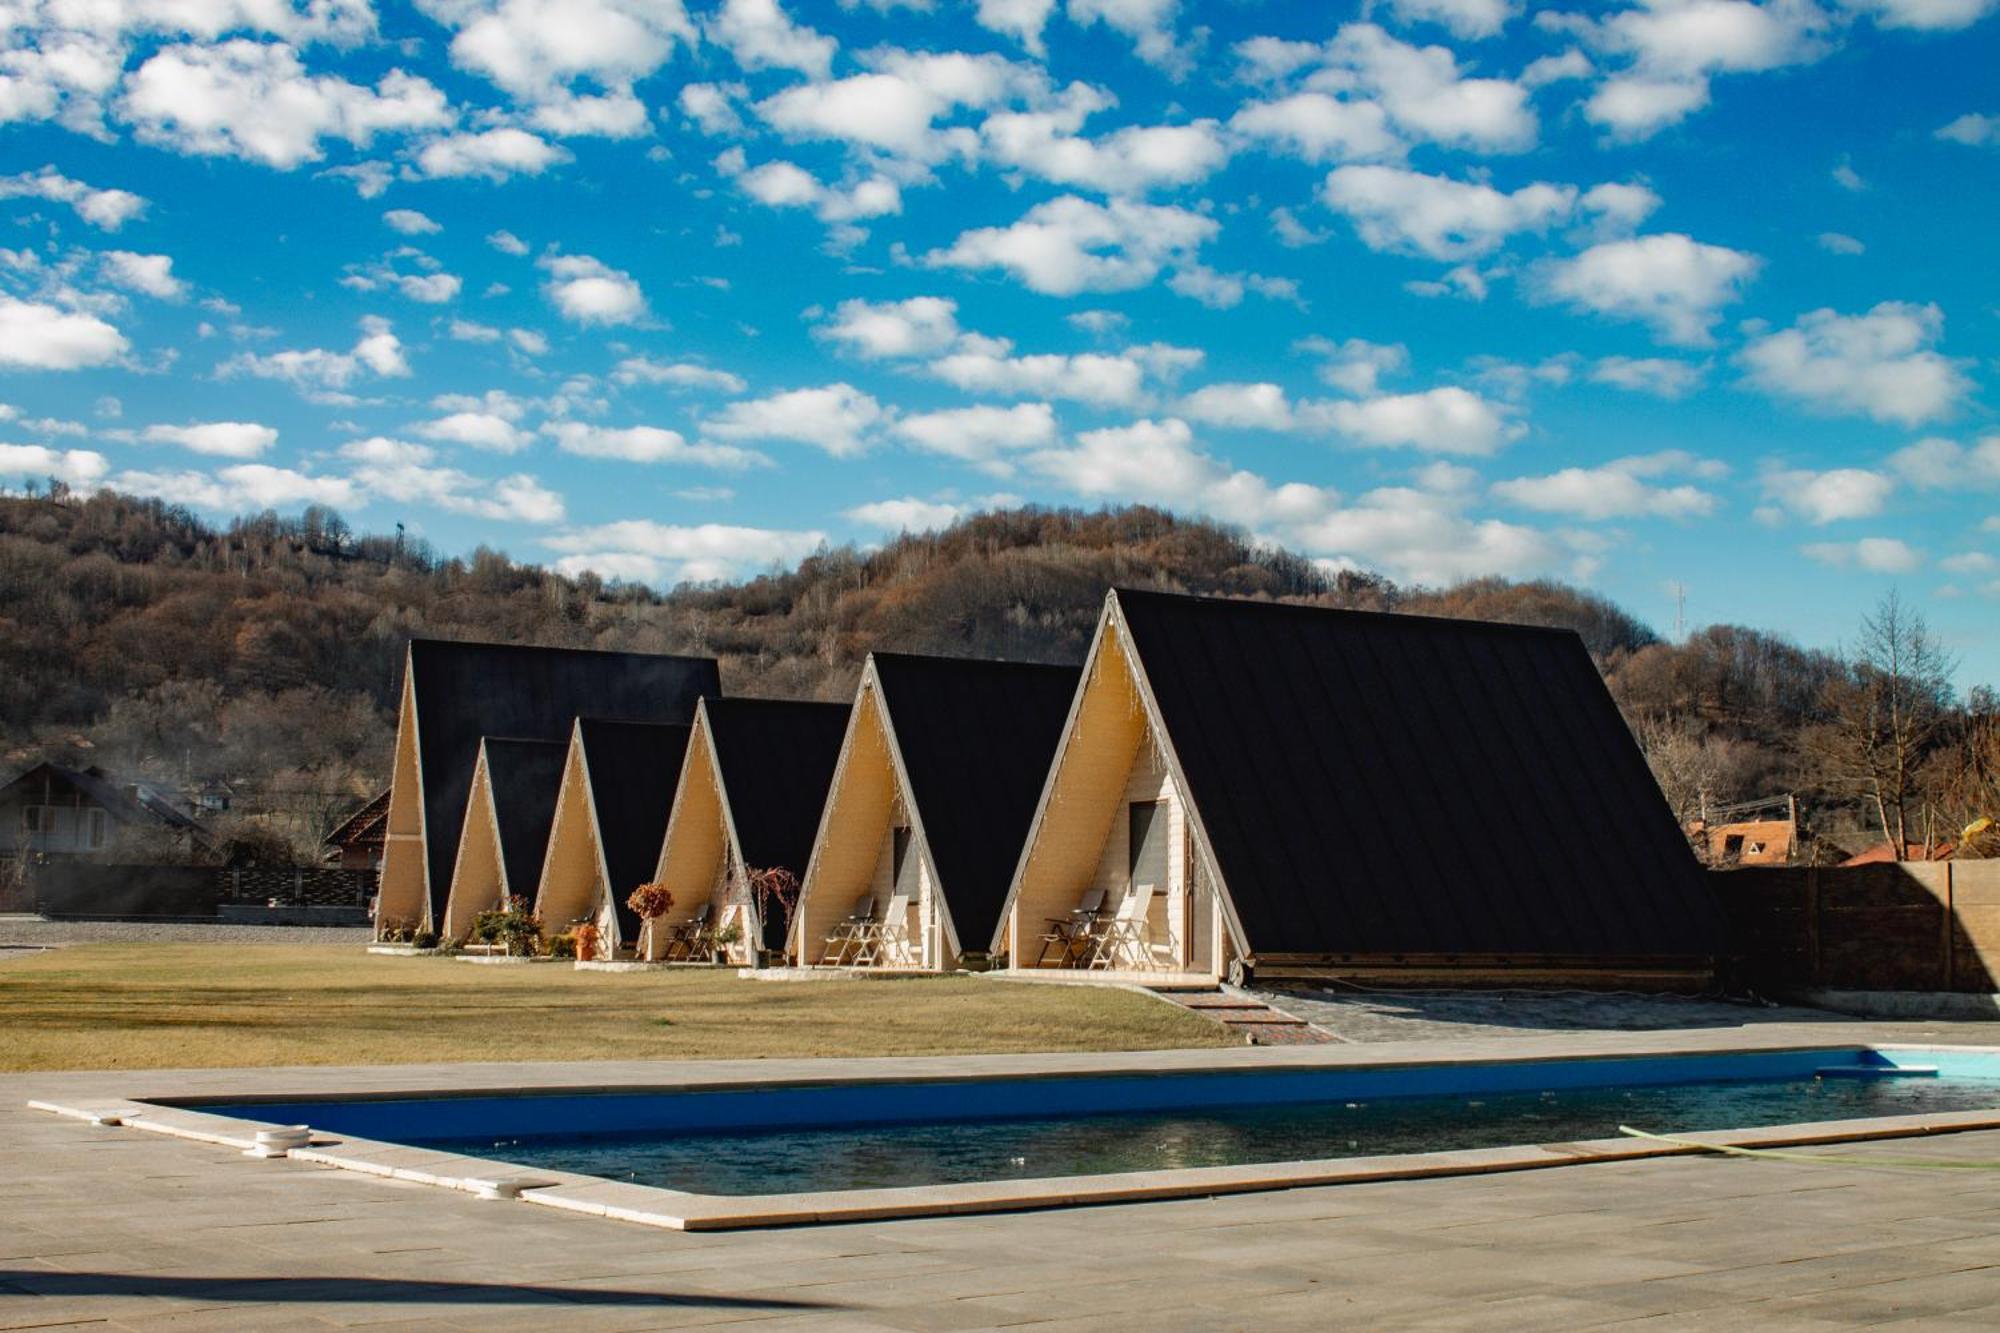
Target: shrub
425,939
564,946
513,925
587,942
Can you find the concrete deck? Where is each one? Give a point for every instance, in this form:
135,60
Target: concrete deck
116,1228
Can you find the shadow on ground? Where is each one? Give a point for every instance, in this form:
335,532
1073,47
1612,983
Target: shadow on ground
369,1290
1378,1015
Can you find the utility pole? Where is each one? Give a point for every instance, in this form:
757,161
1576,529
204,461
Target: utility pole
1680,611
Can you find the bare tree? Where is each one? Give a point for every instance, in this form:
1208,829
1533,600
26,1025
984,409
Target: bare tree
1685,765
1886,713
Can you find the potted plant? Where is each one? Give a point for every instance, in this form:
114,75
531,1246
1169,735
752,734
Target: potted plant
650,902
586,938
724,940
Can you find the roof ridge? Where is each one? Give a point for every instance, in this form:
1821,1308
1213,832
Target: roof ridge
1417,618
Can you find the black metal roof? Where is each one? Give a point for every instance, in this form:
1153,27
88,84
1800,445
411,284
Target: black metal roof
1378,783
525,777
465,691
776,757
633,767
976,740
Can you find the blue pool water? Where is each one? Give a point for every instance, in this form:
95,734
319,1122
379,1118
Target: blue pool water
861,1136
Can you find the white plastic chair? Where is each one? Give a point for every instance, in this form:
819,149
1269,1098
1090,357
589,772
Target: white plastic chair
1127,938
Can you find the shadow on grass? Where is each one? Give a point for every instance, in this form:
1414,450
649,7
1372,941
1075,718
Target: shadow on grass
369,1290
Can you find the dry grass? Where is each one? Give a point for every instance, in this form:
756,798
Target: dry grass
182,1006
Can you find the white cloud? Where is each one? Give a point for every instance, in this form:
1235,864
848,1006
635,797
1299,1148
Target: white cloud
762,36
1426,94
107,210
489,154
1156,462
1406,211
255,100
34,336
151,275
1939,464
989,366
614,115
835,417
588,291
528,341
908,514
1356,365
1924,15
1669,281
1467,19
1621,488
1068,245
1424,536
1261,406
677,375
429,288
1673,47
480,430
1225,291
1316,127
1972,130
317,371
405,472
410,222
1659,376
243,486
222,439
1131,160
536,49
647,444
1873,555
1149,23
507,243
712,106
471,331
662,553
895,106
1838,243
783,184
1447,420
980,435
1825,497
33,462
1879,364
919,326
1023,20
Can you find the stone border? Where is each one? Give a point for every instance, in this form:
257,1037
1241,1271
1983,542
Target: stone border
683,1211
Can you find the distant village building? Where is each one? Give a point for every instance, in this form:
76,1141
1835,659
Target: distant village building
357,844
1752,833
52,811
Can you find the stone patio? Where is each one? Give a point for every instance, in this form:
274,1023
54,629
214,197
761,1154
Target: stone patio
121,1229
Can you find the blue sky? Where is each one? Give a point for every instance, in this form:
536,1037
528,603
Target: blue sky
1690,292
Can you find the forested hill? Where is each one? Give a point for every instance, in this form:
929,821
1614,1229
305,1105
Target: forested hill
267,653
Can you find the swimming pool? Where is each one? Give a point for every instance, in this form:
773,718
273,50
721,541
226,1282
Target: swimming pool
901,1134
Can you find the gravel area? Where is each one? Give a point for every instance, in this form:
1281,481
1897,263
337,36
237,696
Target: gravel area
1373,1016
35,932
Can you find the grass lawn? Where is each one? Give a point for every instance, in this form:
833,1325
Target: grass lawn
183,1006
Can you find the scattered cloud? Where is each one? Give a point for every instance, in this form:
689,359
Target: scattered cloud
1872,555
908,514
676,375
666,554
1670,282
1069,245
105,209
647,444
1824,497
837,418
1622,488
37,336
1879,365
586,290
222,439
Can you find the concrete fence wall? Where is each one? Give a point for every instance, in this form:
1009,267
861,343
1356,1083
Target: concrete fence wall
1910,926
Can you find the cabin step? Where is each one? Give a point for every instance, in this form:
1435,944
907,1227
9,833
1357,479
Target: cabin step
1253,1020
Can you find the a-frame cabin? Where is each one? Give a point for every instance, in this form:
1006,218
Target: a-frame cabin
454,694
749,799
506,832
617,787
1319,792
937,780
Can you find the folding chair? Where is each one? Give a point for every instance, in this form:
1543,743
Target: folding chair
847,934
887,940
687,935
1127,937
1070,935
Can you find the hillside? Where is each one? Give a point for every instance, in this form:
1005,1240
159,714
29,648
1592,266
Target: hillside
266,654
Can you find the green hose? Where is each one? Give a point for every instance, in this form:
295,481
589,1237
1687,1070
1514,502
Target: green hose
1811,1158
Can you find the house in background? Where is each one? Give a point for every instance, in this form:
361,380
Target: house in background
1751,833
749,798
456,694
506,835
937,781
1232,765
52,811
611,815
357,843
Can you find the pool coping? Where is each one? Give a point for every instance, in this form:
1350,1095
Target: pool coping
178,1114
